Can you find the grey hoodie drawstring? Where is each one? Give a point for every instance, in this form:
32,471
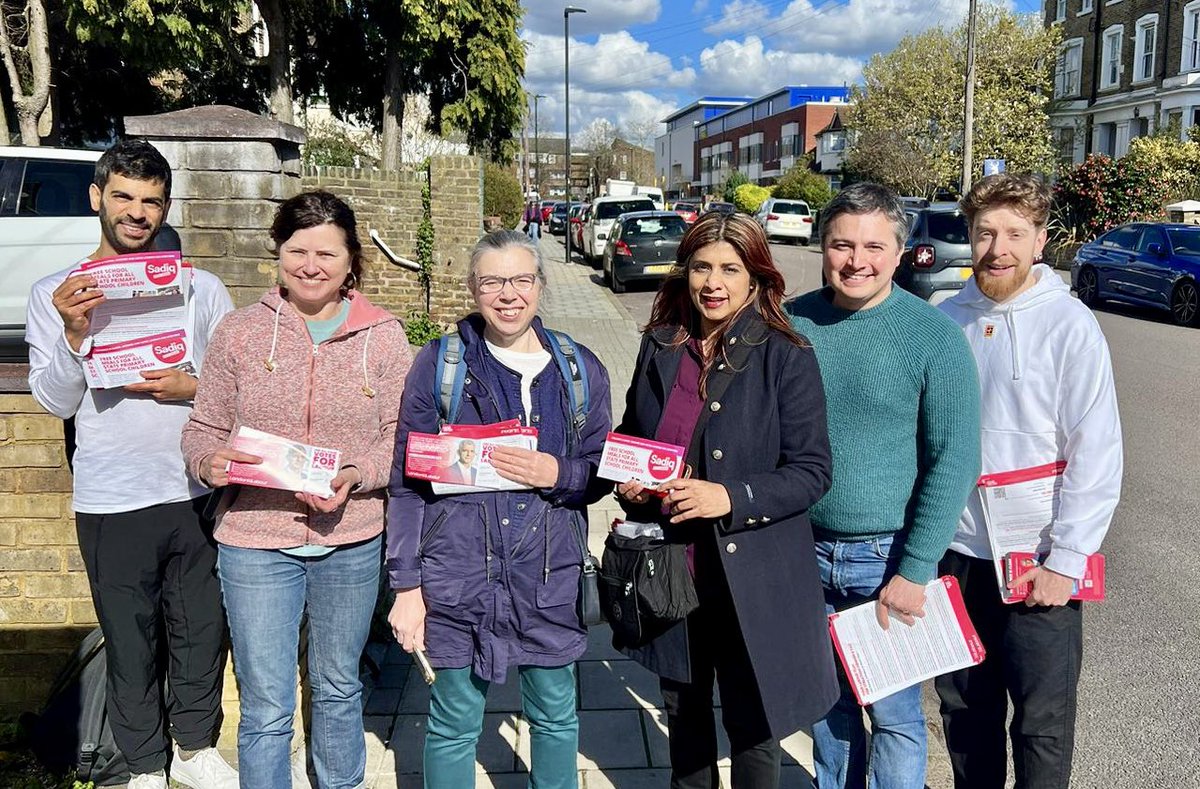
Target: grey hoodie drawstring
269,362
1012,343
366,389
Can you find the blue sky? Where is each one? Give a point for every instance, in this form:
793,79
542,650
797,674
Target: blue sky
637,60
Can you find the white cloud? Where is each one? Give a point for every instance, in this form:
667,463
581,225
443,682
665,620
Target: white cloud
603,16
748,68
739,16
858,27
617,61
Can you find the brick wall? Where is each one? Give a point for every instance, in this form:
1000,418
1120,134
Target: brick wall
391,204
45,606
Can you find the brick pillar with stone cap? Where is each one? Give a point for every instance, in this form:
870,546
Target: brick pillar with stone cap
231,169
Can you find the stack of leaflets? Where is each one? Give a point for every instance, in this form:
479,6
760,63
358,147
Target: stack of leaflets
286,464
458,458
146,320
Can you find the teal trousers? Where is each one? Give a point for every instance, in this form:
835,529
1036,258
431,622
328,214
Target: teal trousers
456,722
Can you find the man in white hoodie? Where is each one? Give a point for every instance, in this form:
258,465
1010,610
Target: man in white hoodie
1047,396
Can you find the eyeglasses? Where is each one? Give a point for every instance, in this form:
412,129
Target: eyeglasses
522,283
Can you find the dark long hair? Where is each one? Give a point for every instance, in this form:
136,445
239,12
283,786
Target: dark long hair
673,307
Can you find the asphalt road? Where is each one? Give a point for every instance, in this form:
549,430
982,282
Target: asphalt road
1139,700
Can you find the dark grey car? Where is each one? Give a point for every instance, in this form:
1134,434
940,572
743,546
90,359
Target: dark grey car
936,262
642,246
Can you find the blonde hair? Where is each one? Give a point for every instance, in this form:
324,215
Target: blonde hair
1026,194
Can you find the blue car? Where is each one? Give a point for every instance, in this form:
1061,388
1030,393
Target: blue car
1150,264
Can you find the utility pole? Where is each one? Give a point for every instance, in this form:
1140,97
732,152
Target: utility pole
537,163
969,103
567,106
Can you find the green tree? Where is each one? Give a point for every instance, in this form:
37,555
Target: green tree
736,178
801,183
749,197
465,55
115,58
1175,162
907,118
501,194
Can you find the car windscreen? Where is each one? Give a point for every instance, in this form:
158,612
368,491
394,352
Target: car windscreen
947,226
684,207
799,209
615,209
1184,240
663,227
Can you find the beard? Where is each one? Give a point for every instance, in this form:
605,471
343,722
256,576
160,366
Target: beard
1001,289
109,229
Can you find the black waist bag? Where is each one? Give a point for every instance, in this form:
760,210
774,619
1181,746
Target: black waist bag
645,587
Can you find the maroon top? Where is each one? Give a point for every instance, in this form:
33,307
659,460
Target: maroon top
681,413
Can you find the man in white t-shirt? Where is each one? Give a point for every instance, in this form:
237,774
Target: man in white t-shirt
147,547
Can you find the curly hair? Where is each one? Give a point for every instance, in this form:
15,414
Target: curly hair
1026,194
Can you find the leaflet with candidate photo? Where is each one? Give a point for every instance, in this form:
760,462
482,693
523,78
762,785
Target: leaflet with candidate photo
286,464
1019,508
458,460
880,662
627,458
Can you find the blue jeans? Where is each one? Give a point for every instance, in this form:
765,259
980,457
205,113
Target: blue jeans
266,593
853,572
456,721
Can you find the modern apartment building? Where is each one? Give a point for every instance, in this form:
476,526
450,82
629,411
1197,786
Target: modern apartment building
1125,69
674,151
764,137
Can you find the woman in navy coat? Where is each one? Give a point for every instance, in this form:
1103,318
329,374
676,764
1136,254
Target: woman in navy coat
721,372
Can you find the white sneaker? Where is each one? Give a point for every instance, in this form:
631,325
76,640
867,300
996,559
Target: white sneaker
207,769
156,780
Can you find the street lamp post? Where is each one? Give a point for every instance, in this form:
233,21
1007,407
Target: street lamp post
537,164
567,106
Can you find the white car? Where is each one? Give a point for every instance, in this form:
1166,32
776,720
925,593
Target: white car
790,219
46,224
604,213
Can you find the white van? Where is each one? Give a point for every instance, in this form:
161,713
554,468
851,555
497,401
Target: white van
654,193
604,213
46,224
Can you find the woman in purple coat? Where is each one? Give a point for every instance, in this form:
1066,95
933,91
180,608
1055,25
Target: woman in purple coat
487,582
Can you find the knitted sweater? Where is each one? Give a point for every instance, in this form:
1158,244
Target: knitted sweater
902,394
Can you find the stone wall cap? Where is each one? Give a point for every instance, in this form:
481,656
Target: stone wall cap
14,378
215,122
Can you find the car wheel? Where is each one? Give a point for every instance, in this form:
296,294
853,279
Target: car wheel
605,277
804,241
617,285
1087,287
1185,303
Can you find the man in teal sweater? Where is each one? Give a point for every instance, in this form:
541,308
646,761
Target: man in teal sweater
903,401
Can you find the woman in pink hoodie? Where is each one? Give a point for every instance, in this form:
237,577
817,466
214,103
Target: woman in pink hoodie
314,362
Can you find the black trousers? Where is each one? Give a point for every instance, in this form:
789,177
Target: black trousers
1033,657
716,647
153,571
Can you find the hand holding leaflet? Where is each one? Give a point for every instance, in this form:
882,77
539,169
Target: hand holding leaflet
459,459
286,464
879,662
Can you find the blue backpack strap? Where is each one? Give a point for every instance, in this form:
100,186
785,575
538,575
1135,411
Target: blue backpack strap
449,377
574,372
